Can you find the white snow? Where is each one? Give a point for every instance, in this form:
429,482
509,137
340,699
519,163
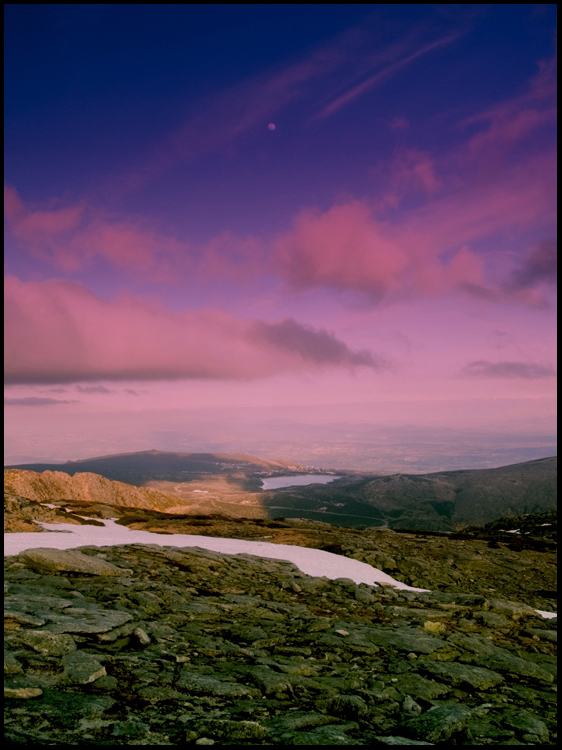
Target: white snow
312,562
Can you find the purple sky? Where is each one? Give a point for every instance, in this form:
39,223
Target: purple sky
275,206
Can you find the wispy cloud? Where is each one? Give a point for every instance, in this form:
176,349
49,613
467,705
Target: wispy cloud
71,238
36,401
523,370
381,76
335,65
93,389
462,199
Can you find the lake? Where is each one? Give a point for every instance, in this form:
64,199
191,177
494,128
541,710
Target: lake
275,483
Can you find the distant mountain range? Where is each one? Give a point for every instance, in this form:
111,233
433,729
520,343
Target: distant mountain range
147,466
442,501
207,483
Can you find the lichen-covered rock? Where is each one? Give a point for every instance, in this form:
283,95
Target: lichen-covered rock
203,648
440,723
46,558
81,668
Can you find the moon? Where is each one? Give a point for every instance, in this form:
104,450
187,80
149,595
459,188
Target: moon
271,126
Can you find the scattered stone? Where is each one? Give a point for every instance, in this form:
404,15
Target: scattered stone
212,686
130,728
440,723
45,642
11,665
418,687
22,693
524,721
48,559
203,648
462,675
400,741
141,634
83,621
81,668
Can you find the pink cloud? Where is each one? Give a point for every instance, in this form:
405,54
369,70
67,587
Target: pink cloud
511,121
505,369
71,238
377,78
58,331
359,246
345,247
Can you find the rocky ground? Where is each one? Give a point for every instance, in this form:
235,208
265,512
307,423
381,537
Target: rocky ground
489,560
144,645
485,561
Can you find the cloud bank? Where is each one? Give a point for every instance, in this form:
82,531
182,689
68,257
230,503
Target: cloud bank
524,370
59,332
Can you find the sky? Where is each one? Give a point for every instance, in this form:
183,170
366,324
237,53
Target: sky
312,562
276,207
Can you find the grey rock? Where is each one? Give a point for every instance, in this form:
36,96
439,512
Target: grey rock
81,668
236,655
505,661
328,735
45,558
11,665
394,740
130,728
212,686
348,706
418,687
13,619
544,635
22,693
78,620
458,674
270,683
298,720
409,706
406,639
440,723
526,722
226,729
44,642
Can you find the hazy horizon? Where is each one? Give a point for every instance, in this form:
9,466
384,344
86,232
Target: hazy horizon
321,436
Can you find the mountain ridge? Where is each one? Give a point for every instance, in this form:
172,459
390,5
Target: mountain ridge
439,501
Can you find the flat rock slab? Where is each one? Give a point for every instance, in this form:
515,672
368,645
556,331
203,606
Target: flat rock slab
545,635
440,723
199,683
394,740
418,687
47,559
458,675
33,603
406,639
505,661
81,668
49,644
22,693
77,620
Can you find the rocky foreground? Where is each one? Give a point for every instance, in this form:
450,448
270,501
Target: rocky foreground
147,645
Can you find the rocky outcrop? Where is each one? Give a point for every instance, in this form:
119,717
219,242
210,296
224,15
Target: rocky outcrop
59,487
185,646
